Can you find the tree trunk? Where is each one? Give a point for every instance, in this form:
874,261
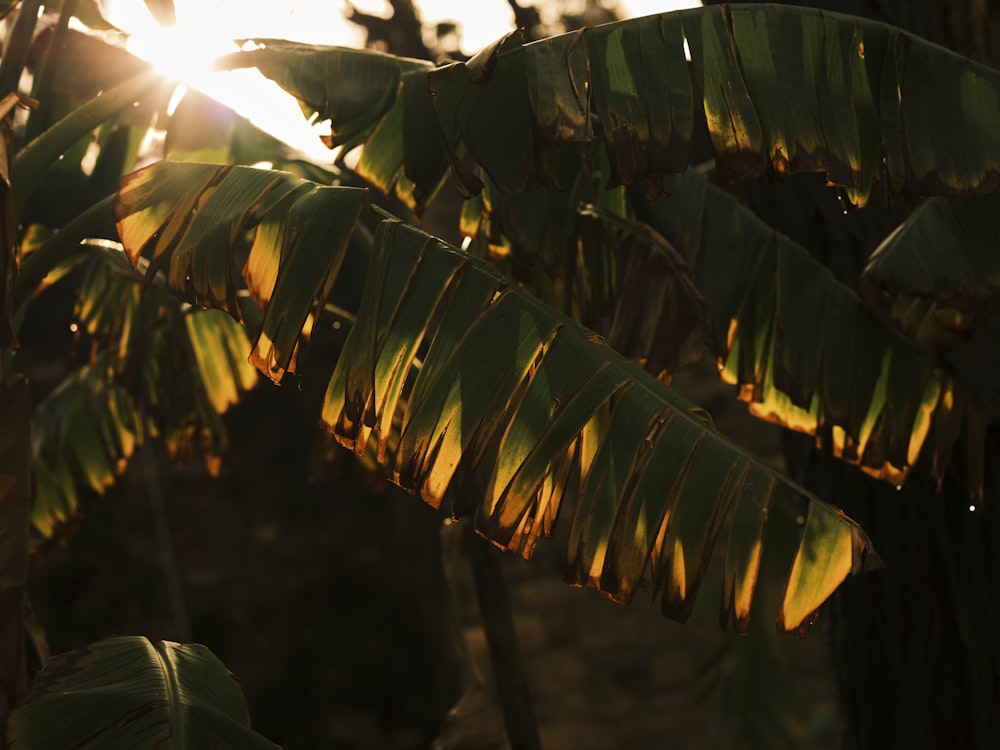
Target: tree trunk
15,511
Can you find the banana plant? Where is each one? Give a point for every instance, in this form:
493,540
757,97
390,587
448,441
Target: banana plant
469,390
607,117
851,102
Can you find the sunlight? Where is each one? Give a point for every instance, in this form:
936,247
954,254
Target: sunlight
206,30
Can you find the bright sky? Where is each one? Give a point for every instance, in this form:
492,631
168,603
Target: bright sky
205,29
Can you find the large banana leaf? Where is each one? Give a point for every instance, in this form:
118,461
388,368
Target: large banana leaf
128,692
781,88
514,410
525,114
803,349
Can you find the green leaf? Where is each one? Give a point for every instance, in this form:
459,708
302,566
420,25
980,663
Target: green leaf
514,406
937,274
197,218
659,317
782,89
82,436
352,88
803,349
127,692
162,369
514,410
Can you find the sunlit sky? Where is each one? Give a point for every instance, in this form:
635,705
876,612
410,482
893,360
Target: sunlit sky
205,30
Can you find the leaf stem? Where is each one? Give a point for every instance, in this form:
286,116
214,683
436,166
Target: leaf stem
33,161
39,119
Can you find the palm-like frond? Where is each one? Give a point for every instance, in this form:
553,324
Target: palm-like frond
160,369
514,410
851,101
83,435
803,349
781,89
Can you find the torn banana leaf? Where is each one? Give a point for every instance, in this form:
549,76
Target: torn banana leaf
803,349
512,410
782,89
156,369
83,435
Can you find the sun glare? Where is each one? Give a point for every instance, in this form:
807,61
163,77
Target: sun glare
206,29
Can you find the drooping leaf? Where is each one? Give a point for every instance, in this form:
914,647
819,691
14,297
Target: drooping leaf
184,366
196,220
937,280
159,369
369,98
937,274
352,88
514,409
129,692
82,436
781,88
803,349
659,317
515,406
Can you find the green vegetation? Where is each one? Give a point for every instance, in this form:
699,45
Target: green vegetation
523,378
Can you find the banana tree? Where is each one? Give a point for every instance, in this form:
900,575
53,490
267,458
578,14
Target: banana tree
607,118
475,394
552,416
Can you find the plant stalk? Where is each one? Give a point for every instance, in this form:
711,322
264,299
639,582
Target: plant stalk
501,637
15,512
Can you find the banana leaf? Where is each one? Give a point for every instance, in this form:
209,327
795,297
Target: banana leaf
127,692
512,411
782,89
